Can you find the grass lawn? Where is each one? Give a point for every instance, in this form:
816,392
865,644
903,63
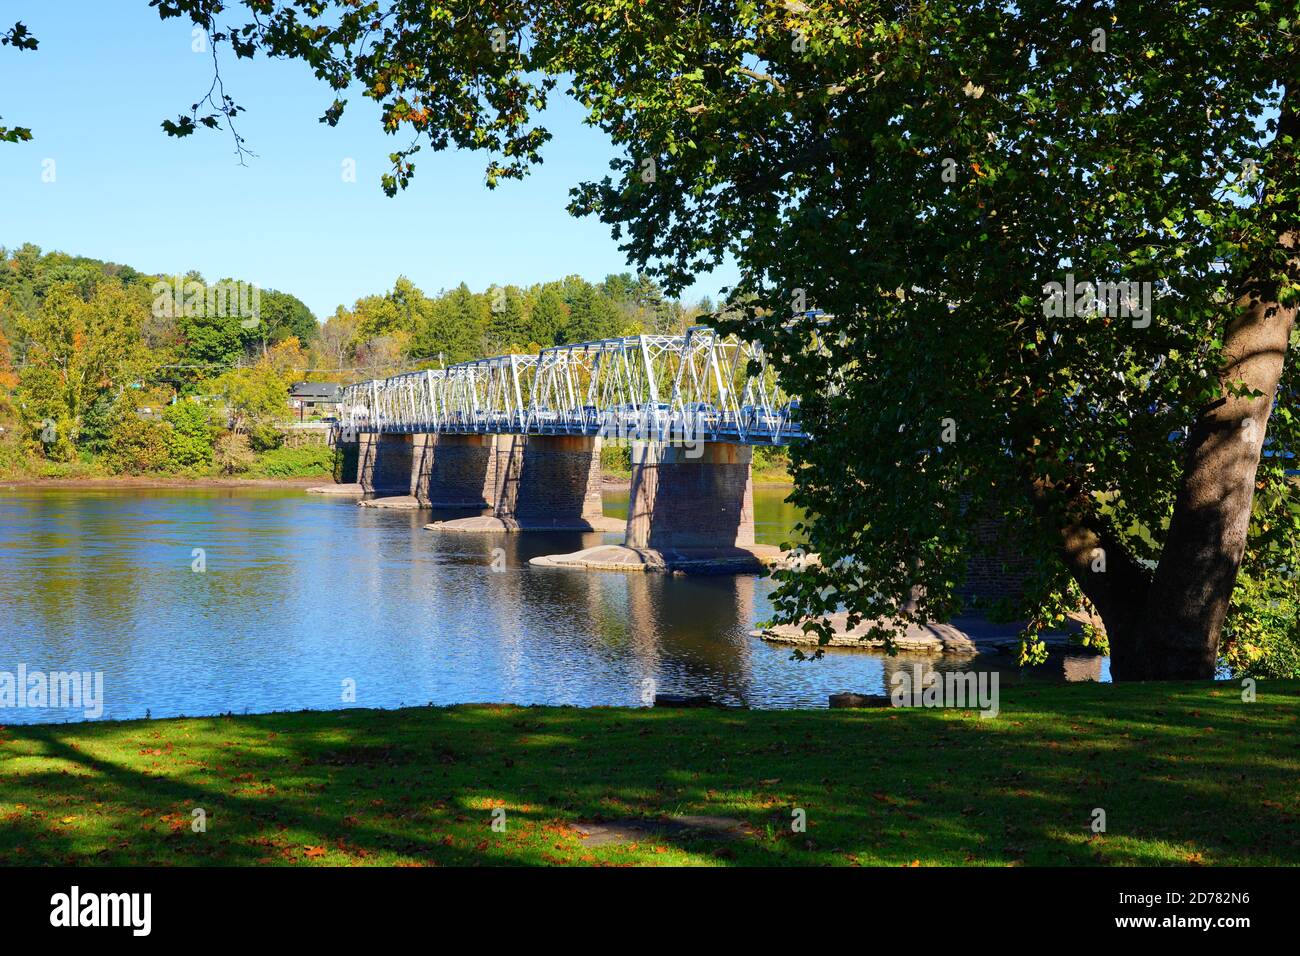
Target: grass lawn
1187,774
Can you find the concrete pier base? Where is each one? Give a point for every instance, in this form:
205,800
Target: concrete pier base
540,483
491,524
392,503
689,510
342,491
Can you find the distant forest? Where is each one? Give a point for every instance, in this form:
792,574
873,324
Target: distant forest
125,371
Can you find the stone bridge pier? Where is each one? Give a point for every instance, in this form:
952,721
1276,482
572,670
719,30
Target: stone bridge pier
453,471
690,508
347,457
542,483
384,464
678,501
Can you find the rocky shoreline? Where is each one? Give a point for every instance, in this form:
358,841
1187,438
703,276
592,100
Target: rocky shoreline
964,636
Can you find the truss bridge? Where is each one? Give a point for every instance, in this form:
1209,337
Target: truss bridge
699,386
519,438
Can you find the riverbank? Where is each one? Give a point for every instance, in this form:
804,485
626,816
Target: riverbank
164,481
305,462
1187,774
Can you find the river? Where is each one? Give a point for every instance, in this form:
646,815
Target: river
213,600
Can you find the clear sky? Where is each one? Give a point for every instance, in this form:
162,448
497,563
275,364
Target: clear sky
109,71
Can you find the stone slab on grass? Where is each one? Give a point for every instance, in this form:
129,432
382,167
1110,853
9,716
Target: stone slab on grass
614,832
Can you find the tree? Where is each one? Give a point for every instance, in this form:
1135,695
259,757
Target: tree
7,377
76,351
642,303
233,453
130,340
1266,641
921,173
211,337
508,326
549,316
8,415
136,446
286,358
382,356
592,315
257,398
453,326
379,315
285,316
20,38
336,342
620,286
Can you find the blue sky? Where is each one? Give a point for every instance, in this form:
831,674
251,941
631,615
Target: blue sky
107,73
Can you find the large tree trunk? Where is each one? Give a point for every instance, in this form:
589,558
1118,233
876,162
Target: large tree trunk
1179,629
1119,590
1166,626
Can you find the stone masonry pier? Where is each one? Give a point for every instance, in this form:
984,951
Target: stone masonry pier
454,471
691,508
384,464
684,497
540,483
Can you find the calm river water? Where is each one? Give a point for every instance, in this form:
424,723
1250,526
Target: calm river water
304,597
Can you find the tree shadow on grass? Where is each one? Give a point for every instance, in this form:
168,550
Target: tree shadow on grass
1193,778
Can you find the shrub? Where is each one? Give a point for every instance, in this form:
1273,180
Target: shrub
1261,637
233,453
97,425
264,437
136,446
14,458
772,462
189,441
616,460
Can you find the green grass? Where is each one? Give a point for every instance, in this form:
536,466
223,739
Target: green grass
1187,774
